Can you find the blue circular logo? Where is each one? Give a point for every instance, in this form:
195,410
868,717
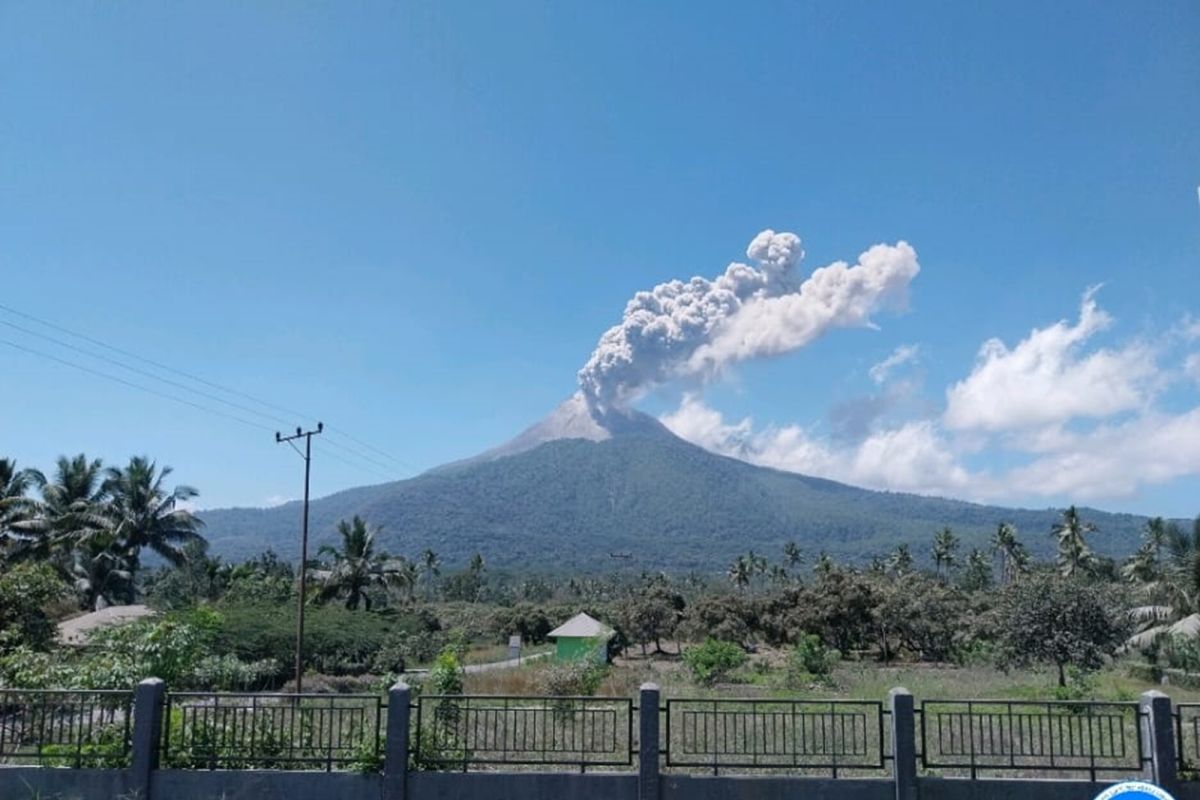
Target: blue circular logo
1134,790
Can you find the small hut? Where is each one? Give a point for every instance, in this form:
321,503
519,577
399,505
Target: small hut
581,637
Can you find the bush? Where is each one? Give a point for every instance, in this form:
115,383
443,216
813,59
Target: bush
714,660
446,677
810,661
230,674
574,678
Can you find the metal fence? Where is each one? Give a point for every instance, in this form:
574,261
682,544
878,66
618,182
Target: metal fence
1030,738
1187,739
460,731
292,731
836,736
65,728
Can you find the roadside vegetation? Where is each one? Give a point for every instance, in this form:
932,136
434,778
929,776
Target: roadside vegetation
942,622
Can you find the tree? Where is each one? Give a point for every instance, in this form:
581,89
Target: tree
1074,555
357,567
978,573
1145,565
1014,560
144,513
945,547
431,568
25,591
1172,599
900,560
741,572
651,613
792,555
15,506
1062,622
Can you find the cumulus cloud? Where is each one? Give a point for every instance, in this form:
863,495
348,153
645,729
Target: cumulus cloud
697,328
904,354
1069,422
1046,379
911,457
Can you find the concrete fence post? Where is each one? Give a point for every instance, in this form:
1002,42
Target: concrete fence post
148,700
648,783
395,753
904,743
1158,736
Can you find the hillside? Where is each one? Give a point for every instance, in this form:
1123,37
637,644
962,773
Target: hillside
569,502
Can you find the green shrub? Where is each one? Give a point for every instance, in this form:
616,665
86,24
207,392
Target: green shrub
714,660
230,674
572,679
446,677
810,661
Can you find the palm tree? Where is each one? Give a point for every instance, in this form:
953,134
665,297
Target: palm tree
740,572
15,506
1074,555
357,567
1144,565
1173,607
945,544
900,560
431,567
144,514
792,555
1014,560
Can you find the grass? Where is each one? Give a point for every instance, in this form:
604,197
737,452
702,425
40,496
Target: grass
763,678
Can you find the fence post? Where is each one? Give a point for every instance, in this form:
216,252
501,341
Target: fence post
1159,738
147,733
904,743
395,753
648,784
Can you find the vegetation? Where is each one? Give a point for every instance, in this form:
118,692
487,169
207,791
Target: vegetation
778,622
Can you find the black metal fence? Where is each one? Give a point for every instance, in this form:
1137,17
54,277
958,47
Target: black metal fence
461,731
1187,739
1028,739
65,728
836,736
291,731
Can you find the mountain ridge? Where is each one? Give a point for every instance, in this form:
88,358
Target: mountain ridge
567,491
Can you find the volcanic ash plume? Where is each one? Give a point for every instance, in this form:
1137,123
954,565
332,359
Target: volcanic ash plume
697,328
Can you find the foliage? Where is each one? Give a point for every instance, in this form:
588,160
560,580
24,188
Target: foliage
446,676
650,613
358,567
729,618
713,660
1062,622
25,592
227,673
572,678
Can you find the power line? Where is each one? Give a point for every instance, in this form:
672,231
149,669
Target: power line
192,377
183,401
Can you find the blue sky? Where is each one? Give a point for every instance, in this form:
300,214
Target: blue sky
414,221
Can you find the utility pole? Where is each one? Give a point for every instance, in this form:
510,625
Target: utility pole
307,456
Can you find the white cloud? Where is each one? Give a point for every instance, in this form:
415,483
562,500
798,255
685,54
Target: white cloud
1191,367
903,354
912,457
276,500
1045,380
1024,405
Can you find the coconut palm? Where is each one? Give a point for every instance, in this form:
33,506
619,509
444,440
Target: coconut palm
357,566
1014,559
1074,555
431,567
740,572
945,546
143,513
71,514
1173,598
900,560
792,555
15,505
1145,565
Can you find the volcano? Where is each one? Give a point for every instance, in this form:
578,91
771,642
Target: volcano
578,485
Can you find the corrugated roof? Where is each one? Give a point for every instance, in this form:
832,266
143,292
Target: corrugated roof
580,626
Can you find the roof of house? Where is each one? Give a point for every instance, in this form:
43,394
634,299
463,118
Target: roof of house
77,629
580,626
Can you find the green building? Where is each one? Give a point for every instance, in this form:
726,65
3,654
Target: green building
581,637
